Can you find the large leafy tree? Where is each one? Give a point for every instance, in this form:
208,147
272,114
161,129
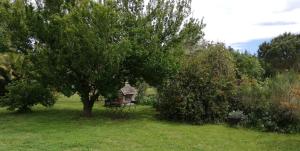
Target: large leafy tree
282,53
89,47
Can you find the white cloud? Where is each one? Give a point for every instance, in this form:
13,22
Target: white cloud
237,21
292,5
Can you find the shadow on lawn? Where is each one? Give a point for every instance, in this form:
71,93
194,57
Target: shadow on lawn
74,115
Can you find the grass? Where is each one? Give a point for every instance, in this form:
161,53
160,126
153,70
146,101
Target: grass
61,128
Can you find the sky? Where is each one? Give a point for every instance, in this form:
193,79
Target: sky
244,24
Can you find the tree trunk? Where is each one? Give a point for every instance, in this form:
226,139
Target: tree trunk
87,107
88,99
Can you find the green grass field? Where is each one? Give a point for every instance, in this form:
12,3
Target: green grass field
61,128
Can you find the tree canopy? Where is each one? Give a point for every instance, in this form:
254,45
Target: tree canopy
281,54
90,48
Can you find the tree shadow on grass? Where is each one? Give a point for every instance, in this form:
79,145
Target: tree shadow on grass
102,115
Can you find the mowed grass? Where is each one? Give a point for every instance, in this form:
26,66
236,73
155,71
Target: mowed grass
62,128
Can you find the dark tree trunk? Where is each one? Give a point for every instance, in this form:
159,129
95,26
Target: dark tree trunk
88,103
88,99
87,108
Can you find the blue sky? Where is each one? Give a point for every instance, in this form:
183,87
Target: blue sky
244,24
250,46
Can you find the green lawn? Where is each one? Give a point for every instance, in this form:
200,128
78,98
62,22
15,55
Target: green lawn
61,128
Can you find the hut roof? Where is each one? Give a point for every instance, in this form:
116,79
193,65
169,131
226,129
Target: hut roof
128,89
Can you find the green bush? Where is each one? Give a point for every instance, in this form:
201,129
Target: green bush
148,100
23,94
273,105
201,91
285,106
248,65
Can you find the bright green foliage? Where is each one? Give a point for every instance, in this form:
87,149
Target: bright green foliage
248,65
202,90
281,54
23,94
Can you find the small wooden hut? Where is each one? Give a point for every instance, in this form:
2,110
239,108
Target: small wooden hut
128,94
126,97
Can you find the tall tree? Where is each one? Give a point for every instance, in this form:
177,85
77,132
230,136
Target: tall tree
281,54
89,47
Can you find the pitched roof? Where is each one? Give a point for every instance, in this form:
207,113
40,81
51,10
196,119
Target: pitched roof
128,89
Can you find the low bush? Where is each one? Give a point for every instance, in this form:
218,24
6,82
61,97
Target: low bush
149,100
23,94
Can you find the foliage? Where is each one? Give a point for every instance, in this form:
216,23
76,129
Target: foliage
248,65
89,47
23,94
4,32
281,54
201,91
147,95
141,88
285,104
4,39
272,105
148,100
9,69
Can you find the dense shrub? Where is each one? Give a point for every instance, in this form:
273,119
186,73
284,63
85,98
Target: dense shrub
201,91
285,106
248,65
273,105
23,94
